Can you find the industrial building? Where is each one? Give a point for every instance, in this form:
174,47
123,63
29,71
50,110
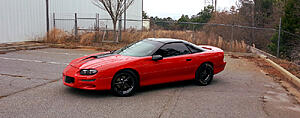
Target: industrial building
24,20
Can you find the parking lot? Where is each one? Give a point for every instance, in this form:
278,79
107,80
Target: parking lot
31,86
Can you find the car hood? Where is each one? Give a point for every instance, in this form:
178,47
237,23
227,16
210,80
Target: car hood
96,60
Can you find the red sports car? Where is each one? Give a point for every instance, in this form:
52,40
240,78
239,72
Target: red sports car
147,62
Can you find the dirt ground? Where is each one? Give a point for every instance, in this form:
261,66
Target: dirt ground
291,67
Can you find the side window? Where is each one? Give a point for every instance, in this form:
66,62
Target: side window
173,49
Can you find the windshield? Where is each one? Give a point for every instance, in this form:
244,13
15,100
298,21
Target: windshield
139,49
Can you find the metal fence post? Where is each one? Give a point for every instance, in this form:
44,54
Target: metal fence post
120,30
154,33
97,22
193,34
76,29
54,25
125,17
232,32
278,43
97,27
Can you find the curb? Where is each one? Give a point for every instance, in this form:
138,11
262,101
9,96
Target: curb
20,46
75,47
292,78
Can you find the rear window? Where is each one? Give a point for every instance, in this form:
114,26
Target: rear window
193,49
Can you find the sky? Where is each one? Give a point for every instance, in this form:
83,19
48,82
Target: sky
175,8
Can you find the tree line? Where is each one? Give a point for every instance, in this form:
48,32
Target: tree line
181,24
252,13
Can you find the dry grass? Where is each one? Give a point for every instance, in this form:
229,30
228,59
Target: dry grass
291,67
58,36
95,39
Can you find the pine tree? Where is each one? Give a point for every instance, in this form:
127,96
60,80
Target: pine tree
290,23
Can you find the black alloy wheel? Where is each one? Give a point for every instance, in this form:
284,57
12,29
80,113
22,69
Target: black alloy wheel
204,74
124,83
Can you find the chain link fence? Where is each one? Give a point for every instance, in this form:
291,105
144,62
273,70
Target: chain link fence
79,23
233,34
230,37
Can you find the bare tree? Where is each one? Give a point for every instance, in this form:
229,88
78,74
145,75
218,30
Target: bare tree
115,8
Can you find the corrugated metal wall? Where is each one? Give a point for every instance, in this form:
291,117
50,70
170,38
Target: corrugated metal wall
65,9
22,20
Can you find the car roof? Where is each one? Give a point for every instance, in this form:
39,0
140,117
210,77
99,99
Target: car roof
170,40
165,40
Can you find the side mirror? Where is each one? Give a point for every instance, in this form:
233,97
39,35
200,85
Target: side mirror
157,57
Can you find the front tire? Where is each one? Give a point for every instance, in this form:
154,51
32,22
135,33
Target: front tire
204,74
124,84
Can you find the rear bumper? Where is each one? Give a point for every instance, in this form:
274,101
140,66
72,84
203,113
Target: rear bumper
219,68
84,82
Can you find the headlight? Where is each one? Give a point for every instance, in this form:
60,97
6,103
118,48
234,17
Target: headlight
88,72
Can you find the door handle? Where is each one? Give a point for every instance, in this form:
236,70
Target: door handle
188,59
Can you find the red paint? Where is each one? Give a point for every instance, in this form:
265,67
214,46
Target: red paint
150,72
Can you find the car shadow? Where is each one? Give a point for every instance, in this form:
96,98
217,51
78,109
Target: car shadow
145,89
165,86
89,93
173,85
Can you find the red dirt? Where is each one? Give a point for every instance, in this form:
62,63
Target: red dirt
291,67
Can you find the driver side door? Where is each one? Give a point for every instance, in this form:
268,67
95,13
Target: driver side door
176,65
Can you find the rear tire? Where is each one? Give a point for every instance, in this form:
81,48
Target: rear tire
204,74
124,84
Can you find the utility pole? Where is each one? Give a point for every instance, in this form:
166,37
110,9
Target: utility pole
125,15
142,14
278,43
253,23
215,5
47,15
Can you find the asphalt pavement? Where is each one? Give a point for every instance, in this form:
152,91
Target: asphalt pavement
31,87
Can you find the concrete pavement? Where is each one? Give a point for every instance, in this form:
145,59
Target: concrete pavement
30,86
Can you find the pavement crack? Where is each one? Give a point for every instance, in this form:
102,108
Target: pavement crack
173,99
165,107
29,88
11,75
264,101
176,102
21,76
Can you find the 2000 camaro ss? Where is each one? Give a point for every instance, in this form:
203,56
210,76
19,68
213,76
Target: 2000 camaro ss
147,62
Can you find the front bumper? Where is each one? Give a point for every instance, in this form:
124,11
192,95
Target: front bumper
72,78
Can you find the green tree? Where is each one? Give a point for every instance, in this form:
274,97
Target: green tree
203,17
162,23
145,15
263,12
290,23
182,20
